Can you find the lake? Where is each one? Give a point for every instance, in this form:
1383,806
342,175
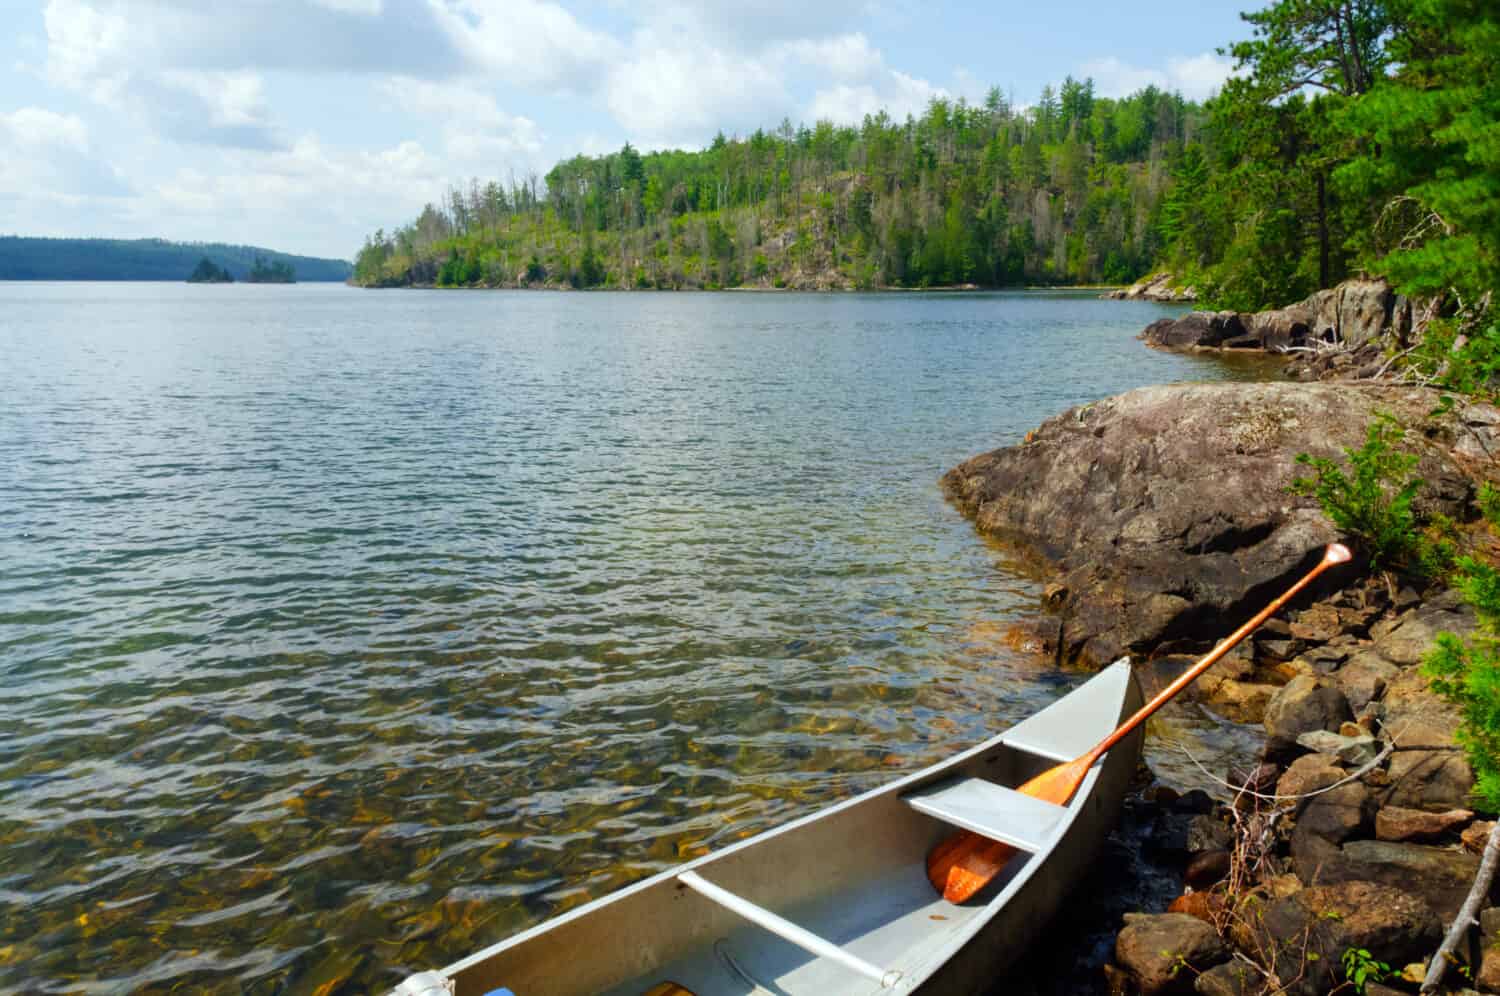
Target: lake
343,632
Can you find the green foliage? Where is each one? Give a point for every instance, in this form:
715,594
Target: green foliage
1372,501
209,272
1468,675
1361,968
277,271
959,194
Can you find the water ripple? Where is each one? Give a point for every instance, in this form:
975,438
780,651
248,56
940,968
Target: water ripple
342,633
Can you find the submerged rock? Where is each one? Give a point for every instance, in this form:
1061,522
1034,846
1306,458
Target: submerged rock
1130,499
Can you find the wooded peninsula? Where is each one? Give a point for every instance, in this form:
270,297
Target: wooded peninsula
1353,137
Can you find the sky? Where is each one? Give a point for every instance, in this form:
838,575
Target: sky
304,125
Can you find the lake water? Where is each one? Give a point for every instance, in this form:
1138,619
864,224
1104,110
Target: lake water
343,632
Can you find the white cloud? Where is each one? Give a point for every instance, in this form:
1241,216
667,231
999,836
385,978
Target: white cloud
527,41
897,93
478,135
1195,77
668,94
47,156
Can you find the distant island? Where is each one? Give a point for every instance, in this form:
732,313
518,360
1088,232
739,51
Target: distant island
23,258
207,272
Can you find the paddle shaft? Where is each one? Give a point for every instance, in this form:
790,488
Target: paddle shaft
1336,553
961,865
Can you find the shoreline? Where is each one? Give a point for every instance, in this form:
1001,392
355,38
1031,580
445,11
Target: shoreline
1174,507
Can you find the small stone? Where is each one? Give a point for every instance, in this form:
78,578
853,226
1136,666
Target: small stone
1164,952
1205,833
1354,751
1195,801
1203,905
1307,774
1489,942
1233,978
1281,886
1317,623
1241,701
1352,730
1207,868
1364,677
1401,823
1303,704
1476,836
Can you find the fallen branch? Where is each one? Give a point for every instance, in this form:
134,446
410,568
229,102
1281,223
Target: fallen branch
1466,914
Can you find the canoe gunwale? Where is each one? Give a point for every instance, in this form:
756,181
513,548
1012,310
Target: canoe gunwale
928,964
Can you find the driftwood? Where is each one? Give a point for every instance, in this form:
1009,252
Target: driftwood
1466,914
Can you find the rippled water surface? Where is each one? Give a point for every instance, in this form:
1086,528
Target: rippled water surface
342,632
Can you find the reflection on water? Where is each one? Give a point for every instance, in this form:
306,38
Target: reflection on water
343,632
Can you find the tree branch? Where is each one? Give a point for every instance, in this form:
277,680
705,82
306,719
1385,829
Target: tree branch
1466,913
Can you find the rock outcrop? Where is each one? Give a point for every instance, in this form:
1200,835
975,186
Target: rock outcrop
1156,287
1364,317
1167,511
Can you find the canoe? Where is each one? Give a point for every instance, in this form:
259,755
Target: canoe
839,901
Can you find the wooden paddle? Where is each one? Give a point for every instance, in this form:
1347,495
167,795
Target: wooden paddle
964,863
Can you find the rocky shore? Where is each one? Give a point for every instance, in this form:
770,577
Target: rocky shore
1156,287
1164,517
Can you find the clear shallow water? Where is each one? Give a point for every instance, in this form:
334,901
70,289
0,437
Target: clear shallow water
342,632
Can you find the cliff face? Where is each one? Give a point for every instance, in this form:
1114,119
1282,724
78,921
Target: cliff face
1166,509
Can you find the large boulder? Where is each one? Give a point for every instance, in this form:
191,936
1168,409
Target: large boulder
1167,508
1163,952
1440,876
1202,329
1394,926
1428,770
1354,312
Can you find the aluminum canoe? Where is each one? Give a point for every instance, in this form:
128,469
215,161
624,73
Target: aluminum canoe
838,901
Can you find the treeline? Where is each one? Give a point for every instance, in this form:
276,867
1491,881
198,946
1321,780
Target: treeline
148,259
1356,136
1068,190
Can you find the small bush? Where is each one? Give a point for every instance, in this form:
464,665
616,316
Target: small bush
1373,500
1361,968
1468,673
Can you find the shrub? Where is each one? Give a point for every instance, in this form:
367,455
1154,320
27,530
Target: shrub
1468,673
1373,500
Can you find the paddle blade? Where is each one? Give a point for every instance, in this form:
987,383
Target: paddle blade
964,863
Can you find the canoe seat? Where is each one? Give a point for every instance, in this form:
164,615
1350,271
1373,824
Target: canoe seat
990,810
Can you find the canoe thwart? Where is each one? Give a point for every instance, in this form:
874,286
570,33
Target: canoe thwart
990,810
788,931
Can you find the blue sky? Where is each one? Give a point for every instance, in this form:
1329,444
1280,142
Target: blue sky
304,124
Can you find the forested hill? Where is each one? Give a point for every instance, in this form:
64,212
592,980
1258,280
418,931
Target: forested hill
1070,190
146,259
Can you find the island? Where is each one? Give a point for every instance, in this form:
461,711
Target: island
209,272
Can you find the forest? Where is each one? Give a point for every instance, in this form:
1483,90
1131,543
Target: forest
1067,191
1355,136
150,259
